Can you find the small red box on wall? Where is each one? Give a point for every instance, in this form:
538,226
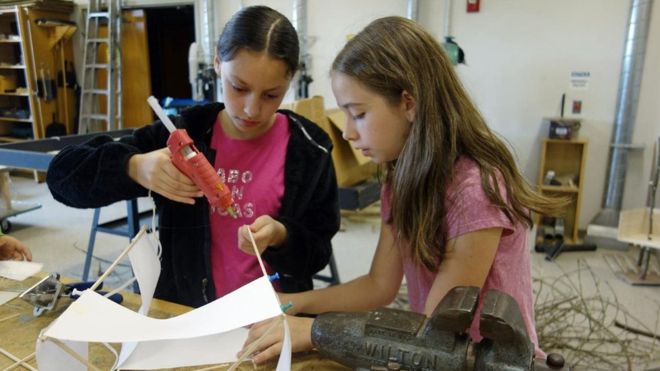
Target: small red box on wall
473,6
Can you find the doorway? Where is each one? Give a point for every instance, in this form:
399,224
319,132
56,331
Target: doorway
170,31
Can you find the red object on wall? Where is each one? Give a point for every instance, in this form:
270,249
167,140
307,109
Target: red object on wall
473,6
577,106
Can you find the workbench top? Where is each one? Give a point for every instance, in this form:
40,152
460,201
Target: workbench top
18,333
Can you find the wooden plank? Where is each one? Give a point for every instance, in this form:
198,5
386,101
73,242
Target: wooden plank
634,227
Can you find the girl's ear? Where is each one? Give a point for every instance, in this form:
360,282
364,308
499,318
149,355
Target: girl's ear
409,106
216,65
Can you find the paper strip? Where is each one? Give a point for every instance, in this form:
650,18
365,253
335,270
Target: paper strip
19,270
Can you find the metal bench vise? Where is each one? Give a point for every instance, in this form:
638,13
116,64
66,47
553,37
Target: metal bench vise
392,339
45,294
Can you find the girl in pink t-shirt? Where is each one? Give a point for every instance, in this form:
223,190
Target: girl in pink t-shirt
277,165
456,209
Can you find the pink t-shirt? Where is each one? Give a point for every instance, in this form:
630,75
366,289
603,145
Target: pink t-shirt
254,171
469,210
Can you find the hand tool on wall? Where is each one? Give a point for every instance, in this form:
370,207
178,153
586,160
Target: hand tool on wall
193,163
392,339
45,294
46,84
55,128
65,85
61,31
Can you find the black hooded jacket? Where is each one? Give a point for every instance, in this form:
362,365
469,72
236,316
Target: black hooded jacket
94,174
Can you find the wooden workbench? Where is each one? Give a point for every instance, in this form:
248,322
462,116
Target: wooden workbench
18,334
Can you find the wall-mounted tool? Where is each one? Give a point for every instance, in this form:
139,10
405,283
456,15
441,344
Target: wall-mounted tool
191,162
46,86
55,128
45,294
453,50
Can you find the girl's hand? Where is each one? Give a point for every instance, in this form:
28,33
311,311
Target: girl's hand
271,345
13,249
266,231
155,171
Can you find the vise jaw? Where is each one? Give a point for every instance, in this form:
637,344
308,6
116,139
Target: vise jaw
44,295
392,339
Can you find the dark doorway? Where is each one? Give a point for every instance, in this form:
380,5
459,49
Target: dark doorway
170,31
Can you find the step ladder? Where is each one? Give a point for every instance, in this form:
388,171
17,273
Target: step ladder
100,101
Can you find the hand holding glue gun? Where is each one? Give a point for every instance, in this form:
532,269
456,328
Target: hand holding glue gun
193,164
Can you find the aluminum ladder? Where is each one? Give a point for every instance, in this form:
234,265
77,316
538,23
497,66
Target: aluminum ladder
100,102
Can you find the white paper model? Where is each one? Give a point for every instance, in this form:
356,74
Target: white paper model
210,334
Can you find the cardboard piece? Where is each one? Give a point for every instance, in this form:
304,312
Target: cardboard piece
351,166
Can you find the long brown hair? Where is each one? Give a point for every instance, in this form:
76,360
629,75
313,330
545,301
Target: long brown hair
392,55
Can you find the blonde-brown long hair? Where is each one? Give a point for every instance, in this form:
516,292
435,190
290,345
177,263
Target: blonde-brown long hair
392,55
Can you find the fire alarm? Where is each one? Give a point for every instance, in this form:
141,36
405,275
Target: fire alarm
473,6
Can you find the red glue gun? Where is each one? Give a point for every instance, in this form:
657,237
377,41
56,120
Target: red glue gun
191,162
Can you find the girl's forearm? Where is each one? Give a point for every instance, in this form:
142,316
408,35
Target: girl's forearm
360,294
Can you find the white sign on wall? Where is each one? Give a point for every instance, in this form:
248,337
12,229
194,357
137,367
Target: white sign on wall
579,80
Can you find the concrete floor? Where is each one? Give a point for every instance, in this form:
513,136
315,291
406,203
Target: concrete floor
58,236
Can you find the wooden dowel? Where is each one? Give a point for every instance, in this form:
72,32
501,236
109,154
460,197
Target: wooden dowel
254,345
16,359
9,317
256,251
21,362
120,257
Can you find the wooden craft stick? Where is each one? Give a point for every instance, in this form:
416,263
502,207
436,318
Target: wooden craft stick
256,251
261,263
254,345
112,266
18,360
21,362
9,317
123,286
215,367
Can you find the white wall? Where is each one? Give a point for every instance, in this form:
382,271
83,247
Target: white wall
519,56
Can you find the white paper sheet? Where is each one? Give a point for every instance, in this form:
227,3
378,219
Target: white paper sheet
95,318
19,270
204,350
146,268
6,296
50,357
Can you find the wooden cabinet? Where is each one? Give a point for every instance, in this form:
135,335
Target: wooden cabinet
17,101
32,57
561,173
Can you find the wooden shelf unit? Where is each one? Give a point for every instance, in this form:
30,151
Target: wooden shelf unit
31,59
567,159
13,75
